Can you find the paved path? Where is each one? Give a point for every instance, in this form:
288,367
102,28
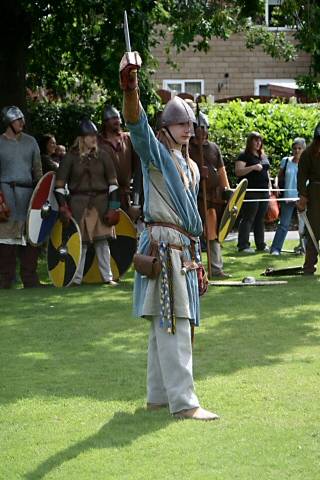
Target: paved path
291,235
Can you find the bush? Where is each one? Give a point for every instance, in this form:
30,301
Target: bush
278,123
60,119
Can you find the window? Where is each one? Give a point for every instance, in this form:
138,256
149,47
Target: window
273,17
262,86
195,87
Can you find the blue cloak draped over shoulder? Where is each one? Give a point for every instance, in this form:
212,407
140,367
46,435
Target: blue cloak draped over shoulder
154,155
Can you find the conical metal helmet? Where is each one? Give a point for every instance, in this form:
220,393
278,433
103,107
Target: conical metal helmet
177,111
202,120
10,114
110,112
87,127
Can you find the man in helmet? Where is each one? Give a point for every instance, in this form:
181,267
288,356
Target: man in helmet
170,302
308,182
118,146
216,184
94,197
20,169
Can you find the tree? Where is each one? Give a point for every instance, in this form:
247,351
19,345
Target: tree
303,18
73,47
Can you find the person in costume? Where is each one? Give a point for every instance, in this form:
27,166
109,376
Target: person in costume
20,169
217,184
48,147
253,165
117,144
288,172
308,181
173,225
94,197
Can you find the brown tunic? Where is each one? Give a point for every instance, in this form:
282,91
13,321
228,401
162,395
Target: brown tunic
88,179
308,182
215,184
126,163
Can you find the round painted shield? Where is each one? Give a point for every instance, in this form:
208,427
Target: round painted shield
232,210
43,210
122,249
64,253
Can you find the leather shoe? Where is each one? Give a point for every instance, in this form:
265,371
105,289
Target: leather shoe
112,283
221,275
197,413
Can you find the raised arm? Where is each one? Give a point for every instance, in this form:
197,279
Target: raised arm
129,66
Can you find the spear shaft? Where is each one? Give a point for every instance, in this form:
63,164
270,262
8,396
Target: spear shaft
203,183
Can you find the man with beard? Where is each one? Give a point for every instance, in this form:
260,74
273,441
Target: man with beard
117,144
20,169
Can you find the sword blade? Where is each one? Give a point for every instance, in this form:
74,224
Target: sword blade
126,32
309,228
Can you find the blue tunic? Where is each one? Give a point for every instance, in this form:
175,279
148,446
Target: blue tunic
166,200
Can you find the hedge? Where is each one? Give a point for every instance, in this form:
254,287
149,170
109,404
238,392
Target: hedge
278,123
230,123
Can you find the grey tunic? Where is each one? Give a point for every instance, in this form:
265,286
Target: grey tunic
161,212
20,164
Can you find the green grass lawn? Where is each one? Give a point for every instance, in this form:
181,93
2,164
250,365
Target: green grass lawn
73,368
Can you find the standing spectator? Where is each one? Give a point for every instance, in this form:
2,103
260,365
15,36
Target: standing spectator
171,301
91,179
117,144
309,193
48,146
253,165
288,172
20,169
216,184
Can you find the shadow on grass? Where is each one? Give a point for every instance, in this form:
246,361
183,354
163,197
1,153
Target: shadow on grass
253,326
72,342
84,341
123,429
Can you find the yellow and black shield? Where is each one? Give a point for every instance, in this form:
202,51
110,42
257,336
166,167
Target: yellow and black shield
232,210
122,249
64,253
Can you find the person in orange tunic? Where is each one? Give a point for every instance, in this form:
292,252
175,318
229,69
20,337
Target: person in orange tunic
217,185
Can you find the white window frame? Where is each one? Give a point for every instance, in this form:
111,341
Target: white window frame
266,15
266,81
182,82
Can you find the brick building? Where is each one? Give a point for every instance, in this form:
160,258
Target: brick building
229,68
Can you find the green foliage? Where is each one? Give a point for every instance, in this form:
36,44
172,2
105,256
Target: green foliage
310,86
274,44
278,123
61,118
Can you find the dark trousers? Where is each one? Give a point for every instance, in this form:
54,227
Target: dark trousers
28,256
252,218
311,257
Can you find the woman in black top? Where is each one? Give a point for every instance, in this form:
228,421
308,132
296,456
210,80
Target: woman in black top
253,165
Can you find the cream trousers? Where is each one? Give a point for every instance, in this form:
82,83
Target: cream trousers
169,373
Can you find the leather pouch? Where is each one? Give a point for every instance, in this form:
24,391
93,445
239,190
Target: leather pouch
147,265
202,280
